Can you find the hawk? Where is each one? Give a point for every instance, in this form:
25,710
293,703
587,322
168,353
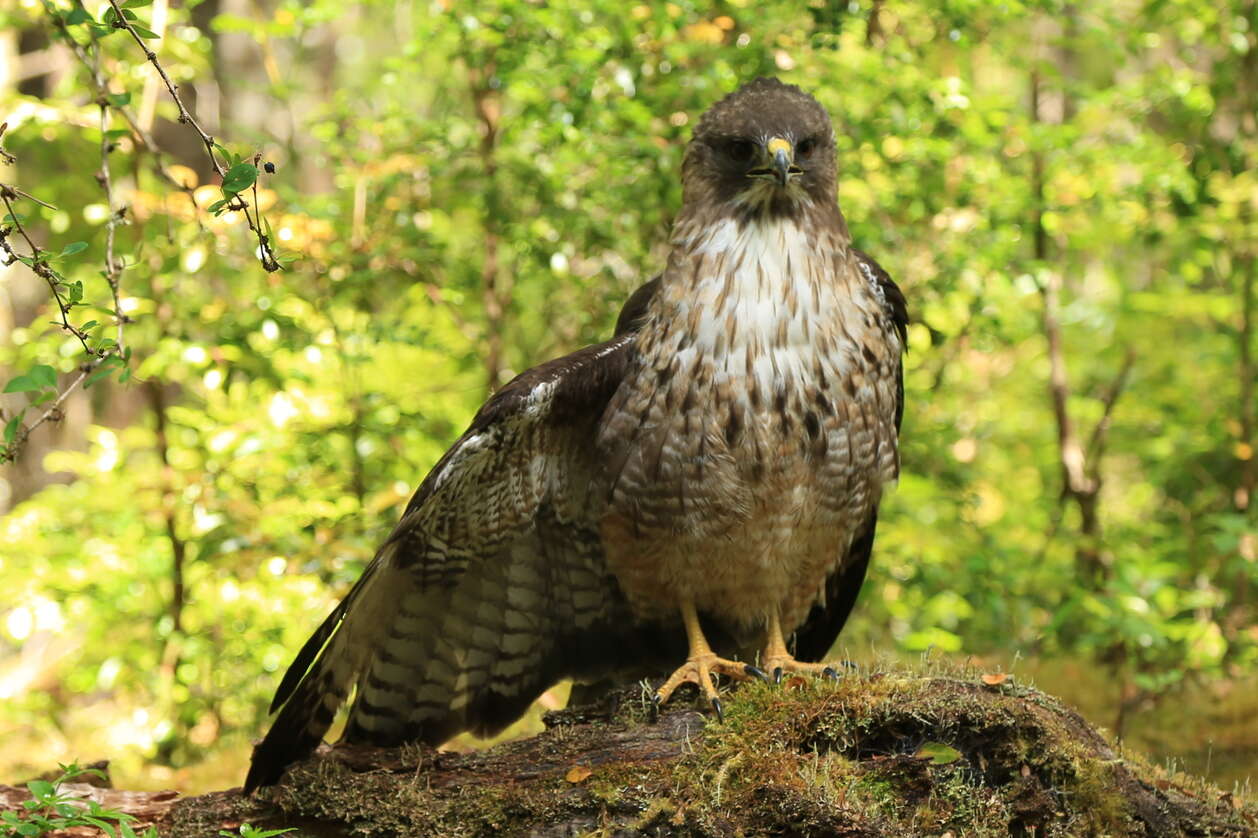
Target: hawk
700,490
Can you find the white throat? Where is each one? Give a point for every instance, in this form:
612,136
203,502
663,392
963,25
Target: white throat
763,296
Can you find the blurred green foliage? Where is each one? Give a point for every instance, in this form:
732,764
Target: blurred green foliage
470,190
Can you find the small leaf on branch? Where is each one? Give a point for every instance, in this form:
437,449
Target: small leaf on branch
105,369
239,178
39,377
119,100
11,428
143,32
217,206
129,15
72,248
76,16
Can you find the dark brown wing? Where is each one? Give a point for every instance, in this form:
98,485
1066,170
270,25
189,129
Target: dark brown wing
821,628
634,310
491,587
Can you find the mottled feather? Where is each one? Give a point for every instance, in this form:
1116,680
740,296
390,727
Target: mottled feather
727,448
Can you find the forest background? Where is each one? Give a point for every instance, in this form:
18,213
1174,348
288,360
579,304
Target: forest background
207,432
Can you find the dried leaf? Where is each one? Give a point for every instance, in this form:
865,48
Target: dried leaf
577,774
995,679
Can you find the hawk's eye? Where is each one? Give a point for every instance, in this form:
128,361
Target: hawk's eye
806,146
740,151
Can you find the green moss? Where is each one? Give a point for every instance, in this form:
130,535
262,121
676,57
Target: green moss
805,757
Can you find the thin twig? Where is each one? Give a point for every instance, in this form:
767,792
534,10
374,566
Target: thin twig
53,412
4,155
141,136
266,254
112,268
37,263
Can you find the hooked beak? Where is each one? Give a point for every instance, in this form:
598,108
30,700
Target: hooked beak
783,157
781,163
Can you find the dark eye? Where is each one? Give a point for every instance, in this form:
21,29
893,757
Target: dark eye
740,151
806,146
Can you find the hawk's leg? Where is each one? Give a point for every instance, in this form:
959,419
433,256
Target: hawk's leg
778,660
702,664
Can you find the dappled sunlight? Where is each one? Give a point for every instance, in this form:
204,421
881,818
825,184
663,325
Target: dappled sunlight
1069,200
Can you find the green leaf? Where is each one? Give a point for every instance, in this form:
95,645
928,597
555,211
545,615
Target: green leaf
239,178
39,377
118,100
76,16
41,789
117,133
73,248
89,324
217,206
11,428
103,371
128,15
136,4
104,826
938,753
21,384
144,32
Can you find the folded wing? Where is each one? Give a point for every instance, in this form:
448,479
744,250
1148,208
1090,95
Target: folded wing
491,587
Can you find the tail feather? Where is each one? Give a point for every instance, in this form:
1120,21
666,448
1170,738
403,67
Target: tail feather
318,681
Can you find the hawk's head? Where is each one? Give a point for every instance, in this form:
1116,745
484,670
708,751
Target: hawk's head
767,148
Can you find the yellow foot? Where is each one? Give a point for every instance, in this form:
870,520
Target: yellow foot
700,670
779,665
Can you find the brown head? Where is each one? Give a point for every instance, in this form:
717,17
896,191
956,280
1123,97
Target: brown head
765,149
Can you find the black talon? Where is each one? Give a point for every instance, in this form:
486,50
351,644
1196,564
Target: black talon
755,672
720,714
655,708
829,673
777,675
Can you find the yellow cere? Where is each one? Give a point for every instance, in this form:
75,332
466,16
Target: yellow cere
778,144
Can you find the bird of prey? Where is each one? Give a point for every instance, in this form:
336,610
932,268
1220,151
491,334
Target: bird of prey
697,494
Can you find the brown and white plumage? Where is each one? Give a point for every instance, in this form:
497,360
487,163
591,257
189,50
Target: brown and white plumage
721,457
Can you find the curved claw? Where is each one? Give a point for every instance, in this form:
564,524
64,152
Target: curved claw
829,674
655,708
777,674
720,714
756,672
